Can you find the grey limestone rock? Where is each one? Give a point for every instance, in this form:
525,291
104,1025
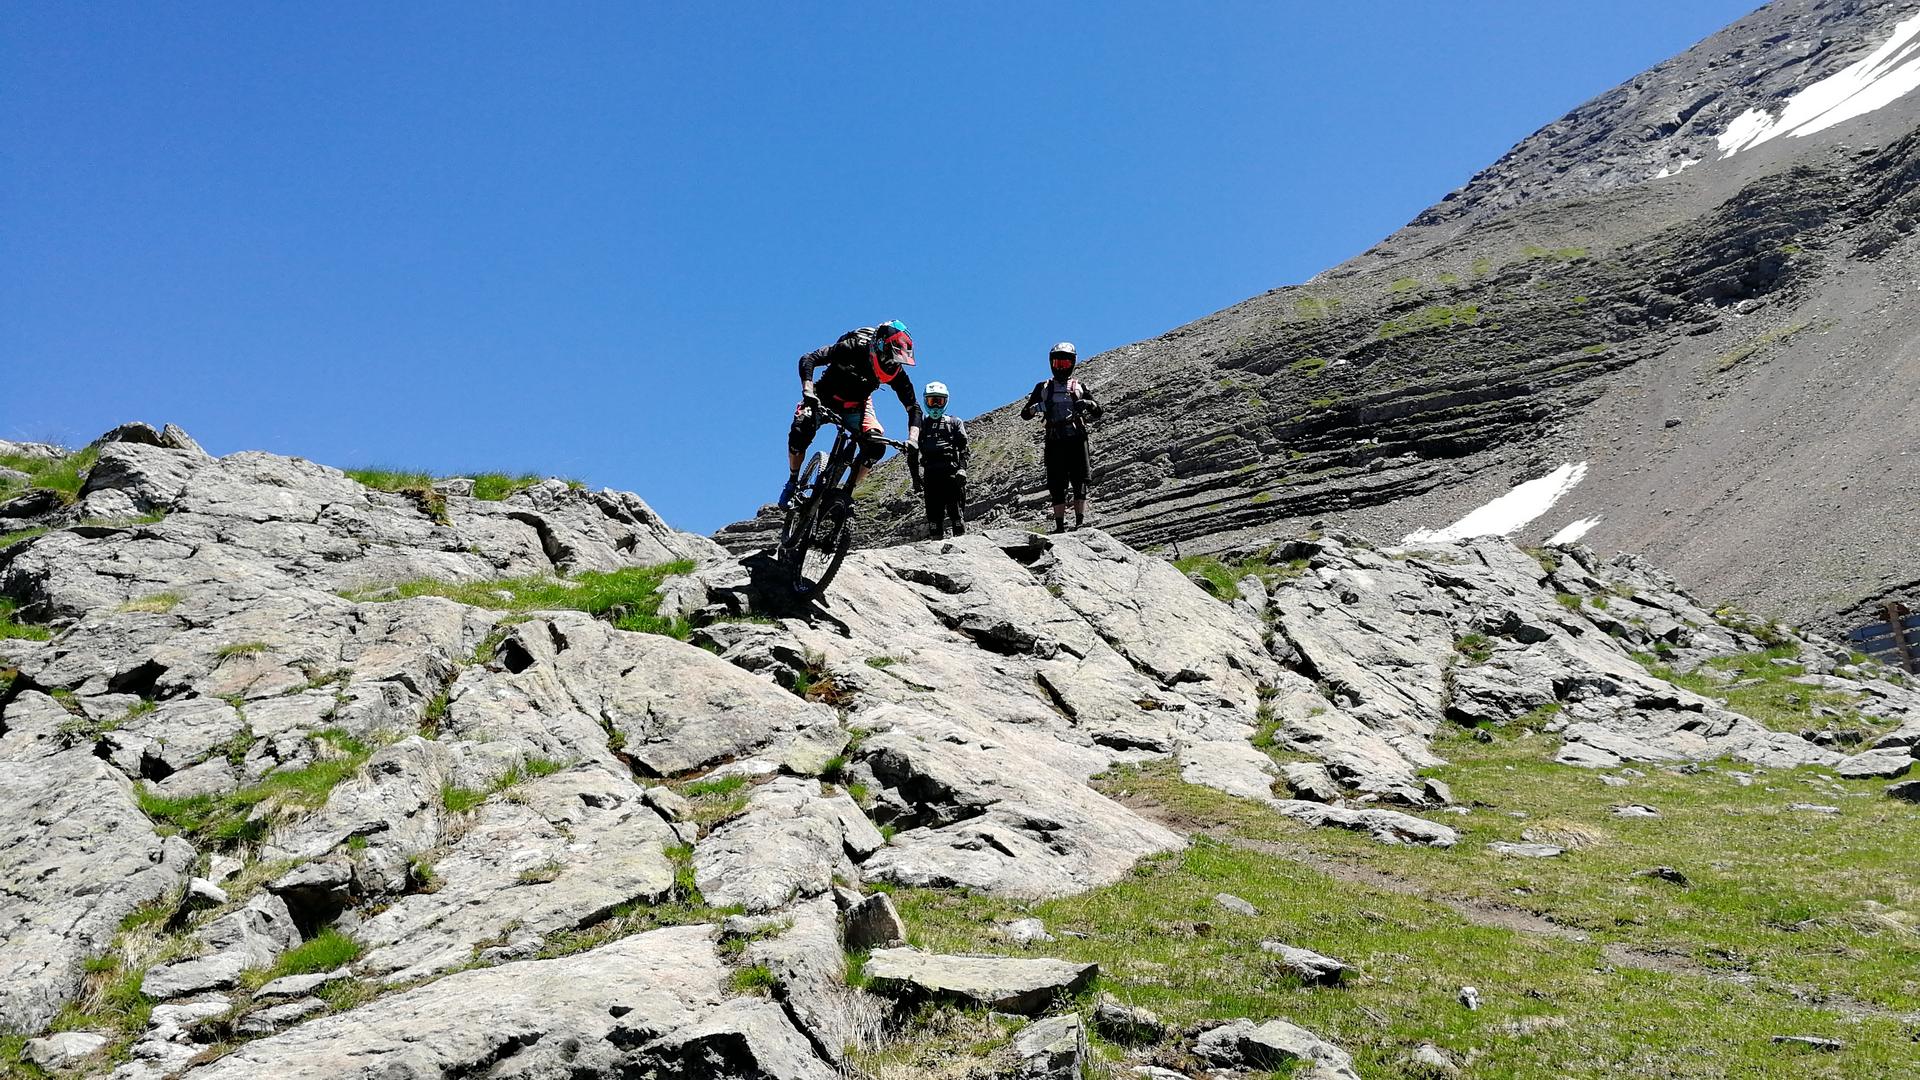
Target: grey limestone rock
78,857
1234,904
63,1049
1002,983
1051,1049
542,1017
1306,965
1127,1024
873,923
1275,1044
1884,764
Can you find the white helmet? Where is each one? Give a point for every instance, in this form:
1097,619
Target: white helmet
937,389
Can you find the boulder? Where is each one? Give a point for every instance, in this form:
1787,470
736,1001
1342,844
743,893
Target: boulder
745,1037
872,923
1276,1044
1876,764
1524,851
1126,1024
60,1050
293,986
1000,983
1306,965
577,1015
1234,904
275,1017
1051,1049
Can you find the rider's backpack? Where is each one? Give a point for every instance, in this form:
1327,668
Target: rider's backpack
1063,418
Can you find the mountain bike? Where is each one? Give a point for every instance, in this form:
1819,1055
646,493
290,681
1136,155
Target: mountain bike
818,528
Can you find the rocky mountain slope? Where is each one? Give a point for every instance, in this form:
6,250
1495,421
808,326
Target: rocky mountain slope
299,777
1691,293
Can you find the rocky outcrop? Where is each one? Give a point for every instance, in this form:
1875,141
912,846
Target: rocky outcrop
468,831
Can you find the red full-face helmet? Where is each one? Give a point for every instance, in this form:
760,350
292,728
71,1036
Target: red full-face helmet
892,349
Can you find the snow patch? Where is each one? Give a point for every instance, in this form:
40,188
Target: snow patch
1676,170
1889,73
1506,514
1574,532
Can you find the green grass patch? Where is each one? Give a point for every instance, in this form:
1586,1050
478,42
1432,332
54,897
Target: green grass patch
153,603
12,629
1764,690
243,648
725,785
329,950
716,800
459,800
9,539
1477,648
243,816
1431,317
1405,284
64,475
882,663
1226,576
1309,365
495,487
753,979
1788,915
629,597
434,712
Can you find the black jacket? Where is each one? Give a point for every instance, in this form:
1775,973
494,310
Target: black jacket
850,379
1062,423
943,446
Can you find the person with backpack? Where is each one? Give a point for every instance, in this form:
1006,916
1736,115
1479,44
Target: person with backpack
1066,406
857,365
943,465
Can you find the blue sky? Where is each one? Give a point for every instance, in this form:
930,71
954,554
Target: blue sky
591,239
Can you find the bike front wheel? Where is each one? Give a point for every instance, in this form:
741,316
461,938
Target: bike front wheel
817,556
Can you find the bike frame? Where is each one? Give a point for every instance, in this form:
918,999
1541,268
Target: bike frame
802,530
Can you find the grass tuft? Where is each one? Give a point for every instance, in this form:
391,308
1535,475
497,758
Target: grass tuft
629,598
13,629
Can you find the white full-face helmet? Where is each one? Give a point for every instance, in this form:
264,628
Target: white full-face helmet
936,390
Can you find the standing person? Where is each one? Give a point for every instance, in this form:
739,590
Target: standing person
943,460
858,364
1066,406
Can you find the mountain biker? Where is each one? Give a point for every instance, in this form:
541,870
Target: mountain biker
858,364
1066,406
943,460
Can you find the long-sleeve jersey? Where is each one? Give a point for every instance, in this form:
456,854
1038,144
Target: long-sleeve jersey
850,378
1065,404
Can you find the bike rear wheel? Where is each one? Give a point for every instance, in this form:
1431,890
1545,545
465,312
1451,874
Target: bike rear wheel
820,553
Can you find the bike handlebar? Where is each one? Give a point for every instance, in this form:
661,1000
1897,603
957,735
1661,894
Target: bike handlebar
832,417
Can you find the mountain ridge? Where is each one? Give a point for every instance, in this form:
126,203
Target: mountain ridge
1519,327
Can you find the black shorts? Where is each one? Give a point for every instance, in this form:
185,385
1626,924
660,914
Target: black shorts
1066,469
806,424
